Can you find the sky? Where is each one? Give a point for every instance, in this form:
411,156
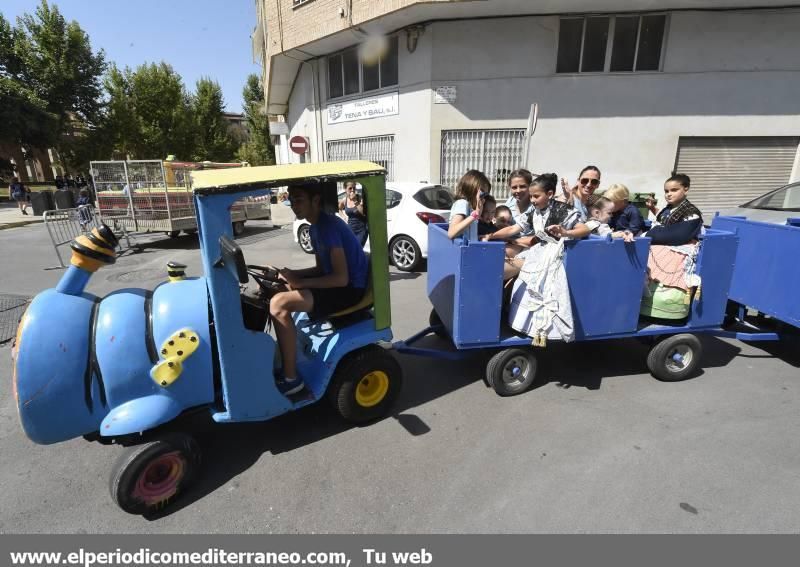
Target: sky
199,38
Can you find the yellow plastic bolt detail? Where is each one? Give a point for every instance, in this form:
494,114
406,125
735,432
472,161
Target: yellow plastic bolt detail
174,351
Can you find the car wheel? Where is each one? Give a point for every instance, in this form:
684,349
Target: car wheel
304,239
148,477
675,358
405,253
365,384
174,233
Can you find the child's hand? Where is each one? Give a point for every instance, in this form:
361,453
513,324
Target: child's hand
557,230
625,235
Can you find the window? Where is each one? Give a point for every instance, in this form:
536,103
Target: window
393,198
377,149
635,44
347,75
436,197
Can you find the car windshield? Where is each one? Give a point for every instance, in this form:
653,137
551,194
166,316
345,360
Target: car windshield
784,199
435,197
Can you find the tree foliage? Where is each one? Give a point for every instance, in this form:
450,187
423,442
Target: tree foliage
259,149
214,141
49,81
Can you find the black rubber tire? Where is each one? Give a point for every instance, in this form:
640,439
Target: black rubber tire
342,391
238,228
133,462
499,371
405,253
435,320
304,238
664,368
174,233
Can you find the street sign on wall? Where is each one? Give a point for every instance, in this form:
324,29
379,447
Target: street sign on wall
363,108
298,144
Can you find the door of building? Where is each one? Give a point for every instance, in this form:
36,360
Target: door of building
377,149
494,152
729,171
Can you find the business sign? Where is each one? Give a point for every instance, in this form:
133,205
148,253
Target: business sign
361,109
444,95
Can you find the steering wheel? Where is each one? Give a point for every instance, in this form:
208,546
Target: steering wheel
266,277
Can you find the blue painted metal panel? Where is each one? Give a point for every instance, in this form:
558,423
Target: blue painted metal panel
767,270
320,347
246,357
605,279
121,348
465,286
141,414
715,267
57,394
179,305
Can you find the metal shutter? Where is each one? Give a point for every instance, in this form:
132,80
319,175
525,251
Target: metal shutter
377,149
495,152
727,172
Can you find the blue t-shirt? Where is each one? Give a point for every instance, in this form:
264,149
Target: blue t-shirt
461,207
330,232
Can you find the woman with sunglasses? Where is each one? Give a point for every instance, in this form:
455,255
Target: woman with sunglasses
588,182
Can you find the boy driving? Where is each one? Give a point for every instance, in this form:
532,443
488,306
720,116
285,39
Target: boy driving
336,282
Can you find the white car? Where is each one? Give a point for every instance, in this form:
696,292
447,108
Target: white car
410,207
775,206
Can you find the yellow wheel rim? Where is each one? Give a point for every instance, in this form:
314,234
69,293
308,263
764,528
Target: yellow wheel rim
372,388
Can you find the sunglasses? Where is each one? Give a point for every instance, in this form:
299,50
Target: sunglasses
592,182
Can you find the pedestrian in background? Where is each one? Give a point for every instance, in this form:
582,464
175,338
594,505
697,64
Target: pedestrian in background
19,193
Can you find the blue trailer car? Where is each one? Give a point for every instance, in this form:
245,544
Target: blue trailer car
465,289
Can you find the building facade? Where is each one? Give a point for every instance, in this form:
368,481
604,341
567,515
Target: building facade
709,88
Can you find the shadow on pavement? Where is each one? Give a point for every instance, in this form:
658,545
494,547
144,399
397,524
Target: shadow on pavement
229,450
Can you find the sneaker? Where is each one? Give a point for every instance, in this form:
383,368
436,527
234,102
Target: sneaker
289,387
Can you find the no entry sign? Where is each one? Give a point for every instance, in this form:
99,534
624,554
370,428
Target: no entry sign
298,144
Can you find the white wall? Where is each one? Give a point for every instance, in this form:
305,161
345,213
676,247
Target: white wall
724,74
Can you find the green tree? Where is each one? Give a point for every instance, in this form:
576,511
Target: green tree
258,150
53,59
24,118
214,141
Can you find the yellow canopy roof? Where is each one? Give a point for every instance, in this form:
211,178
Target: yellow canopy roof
240,179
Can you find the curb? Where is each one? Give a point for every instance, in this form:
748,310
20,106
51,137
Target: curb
18,224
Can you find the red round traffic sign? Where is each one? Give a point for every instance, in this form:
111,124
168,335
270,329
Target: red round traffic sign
298,144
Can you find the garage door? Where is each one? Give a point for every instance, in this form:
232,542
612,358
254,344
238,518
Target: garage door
729,171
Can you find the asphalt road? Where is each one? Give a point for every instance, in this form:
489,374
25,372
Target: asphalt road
599,446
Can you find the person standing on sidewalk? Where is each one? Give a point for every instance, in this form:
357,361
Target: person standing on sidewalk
19,193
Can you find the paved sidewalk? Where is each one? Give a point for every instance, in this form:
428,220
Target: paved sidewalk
10,217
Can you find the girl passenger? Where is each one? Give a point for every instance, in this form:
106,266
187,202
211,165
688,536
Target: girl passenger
471,191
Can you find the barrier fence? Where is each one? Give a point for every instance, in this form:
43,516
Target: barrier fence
64,225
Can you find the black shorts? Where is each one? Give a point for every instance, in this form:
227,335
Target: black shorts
334,299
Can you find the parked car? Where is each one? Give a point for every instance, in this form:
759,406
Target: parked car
410,206
775,206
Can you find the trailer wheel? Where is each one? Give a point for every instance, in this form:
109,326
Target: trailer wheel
149,477
435,321
675,358
365,384
173,233
238,228
511,371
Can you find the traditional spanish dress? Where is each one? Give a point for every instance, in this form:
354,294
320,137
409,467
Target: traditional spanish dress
540,305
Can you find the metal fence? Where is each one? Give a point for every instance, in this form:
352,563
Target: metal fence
377,149
494,152
65,225
11,309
